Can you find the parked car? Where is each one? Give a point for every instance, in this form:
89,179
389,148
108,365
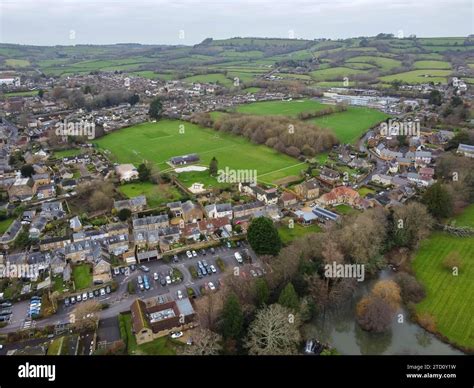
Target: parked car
122,270
35,297
66,302
84,296
177,334
253,273
229,245
108,289
199,273
203,252
213,251
73,300
180,294
133,267
146,285
144,268
194,253
204,263
91,295
189,254
5,304
116,271
6,312
203,271
96,293
238,257
5,318
175,259
79,298
168,280
140,279
155,276
212,287
102,291
213,269
163,281
238,244
199,263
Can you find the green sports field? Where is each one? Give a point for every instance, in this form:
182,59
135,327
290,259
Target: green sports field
285,108
349,126
158,142
450,299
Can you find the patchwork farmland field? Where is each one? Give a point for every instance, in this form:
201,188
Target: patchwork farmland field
158,142
419,76
449,299
285,108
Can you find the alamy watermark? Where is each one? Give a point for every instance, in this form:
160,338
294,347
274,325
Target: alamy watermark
229,175
10,270
402,128
81,128
349,271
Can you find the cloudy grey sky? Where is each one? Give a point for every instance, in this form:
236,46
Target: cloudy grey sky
50,22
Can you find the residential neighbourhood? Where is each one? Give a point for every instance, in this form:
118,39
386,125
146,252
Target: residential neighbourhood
238,195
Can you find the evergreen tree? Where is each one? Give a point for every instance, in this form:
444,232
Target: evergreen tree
232,318
263,237
288,298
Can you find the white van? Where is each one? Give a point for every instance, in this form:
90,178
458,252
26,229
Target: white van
238,257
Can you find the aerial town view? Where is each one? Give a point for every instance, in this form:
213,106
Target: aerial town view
245,178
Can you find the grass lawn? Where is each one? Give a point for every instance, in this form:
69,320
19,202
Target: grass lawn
363,191
54,348
5,224
349,126
335,73
67,153
189,177
466,218
28,93
161,346
344,209
158,142
82,276
287,234
450,299
58,284
156,195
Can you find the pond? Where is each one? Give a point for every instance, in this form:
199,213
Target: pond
340,330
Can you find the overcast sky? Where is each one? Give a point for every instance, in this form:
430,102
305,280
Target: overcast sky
50,22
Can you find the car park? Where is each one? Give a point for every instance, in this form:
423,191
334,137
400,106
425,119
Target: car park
213,269
189,254
177,334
